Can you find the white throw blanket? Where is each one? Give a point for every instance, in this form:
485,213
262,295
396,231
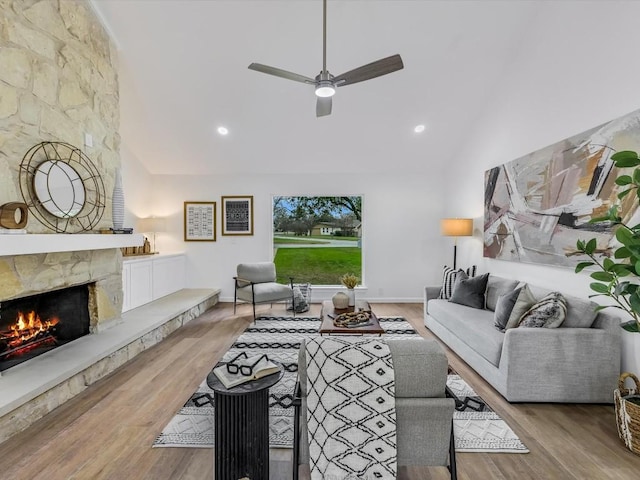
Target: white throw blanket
351,410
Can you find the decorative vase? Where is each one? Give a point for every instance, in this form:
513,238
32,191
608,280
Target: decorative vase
340,301
117,202
351,293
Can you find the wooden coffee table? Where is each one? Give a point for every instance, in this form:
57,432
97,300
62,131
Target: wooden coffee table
327,326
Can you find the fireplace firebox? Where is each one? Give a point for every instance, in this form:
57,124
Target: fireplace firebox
31,326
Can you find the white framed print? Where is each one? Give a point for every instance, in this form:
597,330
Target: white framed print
199,221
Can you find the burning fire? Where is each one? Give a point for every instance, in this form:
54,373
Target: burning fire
26,328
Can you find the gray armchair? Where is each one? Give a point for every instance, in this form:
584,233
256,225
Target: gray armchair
255,283
424,415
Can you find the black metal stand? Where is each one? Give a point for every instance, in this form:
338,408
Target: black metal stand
242,428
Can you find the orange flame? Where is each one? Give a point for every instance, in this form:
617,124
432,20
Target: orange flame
27,327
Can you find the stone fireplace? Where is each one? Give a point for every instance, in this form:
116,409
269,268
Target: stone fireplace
31,326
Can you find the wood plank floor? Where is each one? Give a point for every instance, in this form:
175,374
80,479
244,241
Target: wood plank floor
107,431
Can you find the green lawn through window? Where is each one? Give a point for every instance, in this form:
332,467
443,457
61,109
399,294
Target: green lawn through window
318,266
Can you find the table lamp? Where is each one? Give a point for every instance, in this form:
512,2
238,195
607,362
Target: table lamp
152,225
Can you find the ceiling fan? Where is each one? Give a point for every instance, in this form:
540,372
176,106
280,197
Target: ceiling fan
326,83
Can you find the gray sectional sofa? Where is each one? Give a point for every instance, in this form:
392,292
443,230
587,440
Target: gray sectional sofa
579,362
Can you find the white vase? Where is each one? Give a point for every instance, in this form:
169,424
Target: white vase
340,300
351,293
117,202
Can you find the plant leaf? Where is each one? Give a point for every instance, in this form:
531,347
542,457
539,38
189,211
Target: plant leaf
602,276
582,265
625,158
624,179
599,287
623,194
634,301
590,247
608,264
622,252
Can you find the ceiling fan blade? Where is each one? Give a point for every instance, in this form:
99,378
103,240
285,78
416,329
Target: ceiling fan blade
323,106
371,70
278,72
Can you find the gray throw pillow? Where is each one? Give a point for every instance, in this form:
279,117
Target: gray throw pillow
549,312
469,291
524,302
504,307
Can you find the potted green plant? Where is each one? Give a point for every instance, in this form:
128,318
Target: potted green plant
618,278
350,281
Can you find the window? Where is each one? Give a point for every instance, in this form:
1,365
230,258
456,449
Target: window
317,239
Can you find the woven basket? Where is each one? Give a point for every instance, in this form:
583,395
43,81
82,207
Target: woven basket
628,413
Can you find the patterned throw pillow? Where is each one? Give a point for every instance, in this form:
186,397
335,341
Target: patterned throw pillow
449,279
549,312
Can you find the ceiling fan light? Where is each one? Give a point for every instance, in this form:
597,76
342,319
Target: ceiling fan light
325,90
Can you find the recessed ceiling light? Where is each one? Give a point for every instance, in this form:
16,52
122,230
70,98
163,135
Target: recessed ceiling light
223,130
419,128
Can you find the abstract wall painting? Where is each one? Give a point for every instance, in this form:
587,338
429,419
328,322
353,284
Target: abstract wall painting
536,207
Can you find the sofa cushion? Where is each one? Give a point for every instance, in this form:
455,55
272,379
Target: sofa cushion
469,291
581,312
503,309
548,312
497,286
524,302
449,278
474,327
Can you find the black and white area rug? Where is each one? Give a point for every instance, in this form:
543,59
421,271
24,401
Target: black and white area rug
477,428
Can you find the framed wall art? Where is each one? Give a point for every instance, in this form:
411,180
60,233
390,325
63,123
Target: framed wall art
199,221
237,215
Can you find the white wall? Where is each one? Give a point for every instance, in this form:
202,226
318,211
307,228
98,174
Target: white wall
137,186
578,68
402,244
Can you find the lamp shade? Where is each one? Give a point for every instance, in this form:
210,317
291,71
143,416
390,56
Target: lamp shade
152,224
457,227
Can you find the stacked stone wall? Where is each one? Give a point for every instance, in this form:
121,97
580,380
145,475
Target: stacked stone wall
58,81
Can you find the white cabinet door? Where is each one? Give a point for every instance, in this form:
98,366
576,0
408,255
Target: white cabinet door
141,284
168,275
126,287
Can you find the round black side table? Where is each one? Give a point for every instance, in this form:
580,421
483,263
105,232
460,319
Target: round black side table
242,427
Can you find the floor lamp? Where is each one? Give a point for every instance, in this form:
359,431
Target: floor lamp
456,227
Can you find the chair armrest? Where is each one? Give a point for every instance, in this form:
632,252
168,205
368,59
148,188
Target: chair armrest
242,282
430,293
572,359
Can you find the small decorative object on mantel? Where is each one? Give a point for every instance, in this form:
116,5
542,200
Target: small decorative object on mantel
14,215
350,281
340,301
117,202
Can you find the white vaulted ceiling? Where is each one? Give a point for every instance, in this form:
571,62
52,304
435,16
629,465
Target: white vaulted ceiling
184,73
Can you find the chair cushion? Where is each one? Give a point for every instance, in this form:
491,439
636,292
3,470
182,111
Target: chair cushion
257,272
265,292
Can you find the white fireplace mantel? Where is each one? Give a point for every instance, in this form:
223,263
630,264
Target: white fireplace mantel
29,243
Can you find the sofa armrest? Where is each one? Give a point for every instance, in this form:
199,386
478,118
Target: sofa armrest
430,293
540,361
